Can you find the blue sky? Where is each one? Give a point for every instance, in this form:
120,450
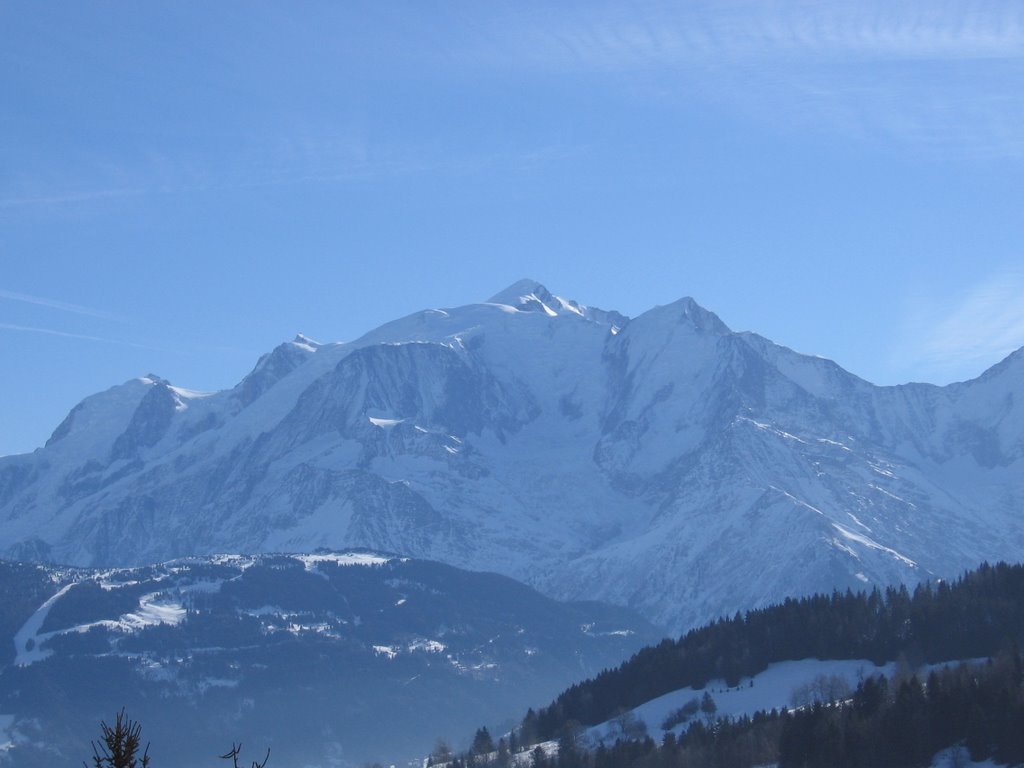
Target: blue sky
184,185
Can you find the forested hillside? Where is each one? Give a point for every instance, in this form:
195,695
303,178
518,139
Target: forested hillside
968,618
972,711
977,707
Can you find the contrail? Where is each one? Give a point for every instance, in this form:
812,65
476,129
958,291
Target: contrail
63,306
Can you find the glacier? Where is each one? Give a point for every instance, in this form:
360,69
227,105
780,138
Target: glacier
663,461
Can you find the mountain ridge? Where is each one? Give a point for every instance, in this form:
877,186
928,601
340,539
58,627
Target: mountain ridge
327,657
663,460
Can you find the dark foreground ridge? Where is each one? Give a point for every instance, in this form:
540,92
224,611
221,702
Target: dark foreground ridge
327,658
978,707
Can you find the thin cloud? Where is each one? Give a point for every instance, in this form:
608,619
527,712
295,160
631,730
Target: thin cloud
932,77
75,197
641,35
67,335
62,306
985,325
315,164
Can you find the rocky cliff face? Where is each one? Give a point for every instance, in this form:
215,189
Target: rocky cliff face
662,461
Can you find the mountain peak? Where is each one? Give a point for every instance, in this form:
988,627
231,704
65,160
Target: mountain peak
684,311
1012,361
303,340
521,290
528,295
704,319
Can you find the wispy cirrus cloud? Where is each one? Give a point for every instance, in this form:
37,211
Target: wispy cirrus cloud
956,339
69,197
69,335
937,76
62,306
641,34
297,161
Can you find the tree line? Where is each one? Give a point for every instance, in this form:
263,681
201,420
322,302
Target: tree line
974,710
978,709
966,618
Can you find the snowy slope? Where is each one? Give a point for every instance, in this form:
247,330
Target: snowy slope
772,689
327,657
662,461
783,685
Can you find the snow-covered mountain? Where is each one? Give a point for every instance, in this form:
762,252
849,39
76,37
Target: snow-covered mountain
662,461
329,658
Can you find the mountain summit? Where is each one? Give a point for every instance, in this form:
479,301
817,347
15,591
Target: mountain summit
662,461
522,291
530,296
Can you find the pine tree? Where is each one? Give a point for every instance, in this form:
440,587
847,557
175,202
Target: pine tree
709,708
119,747
483,744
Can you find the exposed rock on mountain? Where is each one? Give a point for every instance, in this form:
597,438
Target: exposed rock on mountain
662,461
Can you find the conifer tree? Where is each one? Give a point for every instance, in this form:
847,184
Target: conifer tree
483,744
119,747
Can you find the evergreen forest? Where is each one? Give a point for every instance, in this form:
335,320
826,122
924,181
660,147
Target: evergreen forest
975,708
